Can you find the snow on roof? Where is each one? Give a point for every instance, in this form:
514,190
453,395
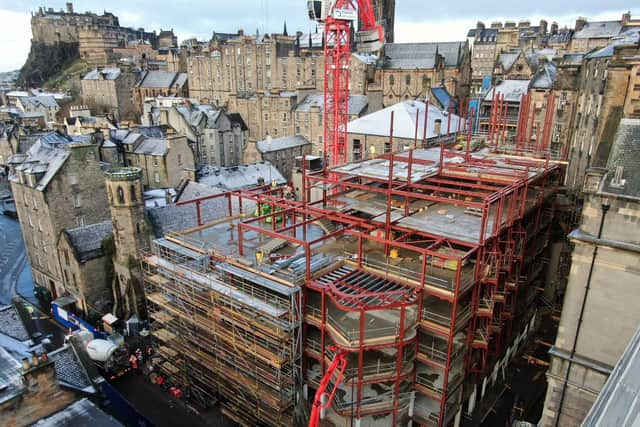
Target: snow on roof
82,412
277,144
103,74
240,177
599,29
422,55
513,90
153,147
404,126
46,101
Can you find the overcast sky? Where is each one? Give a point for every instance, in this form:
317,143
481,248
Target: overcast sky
416,20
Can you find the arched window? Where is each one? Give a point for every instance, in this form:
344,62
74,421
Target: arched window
120,195
133,193
426,82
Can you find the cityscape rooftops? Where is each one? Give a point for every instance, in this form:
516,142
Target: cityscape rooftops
240,177
162,79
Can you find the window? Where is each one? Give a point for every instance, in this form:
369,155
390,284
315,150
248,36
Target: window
179,159
120,195
392,80
66,257
155,161
357,153
157,177
387,147
76,200
133,193
407,79
35,204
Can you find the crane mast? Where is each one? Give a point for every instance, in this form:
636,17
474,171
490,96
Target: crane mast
337,17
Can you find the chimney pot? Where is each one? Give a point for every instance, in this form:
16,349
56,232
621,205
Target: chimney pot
35,360
25,364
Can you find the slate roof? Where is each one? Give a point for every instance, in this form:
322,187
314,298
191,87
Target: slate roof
488,35
507,59
625,154
69,370
599,29
240,177
544,77
195,190
80,413
513,90
617,403
175,218
573,58
87,241
10,376
162,79
629,37
153,147
236,119
42,157
105,73
378,123
357,103
46,101
422,55
282,143
11,324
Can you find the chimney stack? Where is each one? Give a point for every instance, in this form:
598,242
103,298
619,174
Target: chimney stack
580,23
69,7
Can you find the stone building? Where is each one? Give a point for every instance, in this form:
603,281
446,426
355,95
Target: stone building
164,158
44,104
407,71
368,136
266,113
166,38
483,54
86,267
591,35
606,91
218,138
160,83
97,35
600,313
282,152
239,64
513,65
131,235
109,90
309,115
57,185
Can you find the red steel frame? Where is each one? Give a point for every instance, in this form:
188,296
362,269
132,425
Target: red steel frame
502,189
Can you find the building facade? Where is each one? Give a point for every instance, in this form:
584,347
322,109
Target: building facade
601,292
57,185
109,90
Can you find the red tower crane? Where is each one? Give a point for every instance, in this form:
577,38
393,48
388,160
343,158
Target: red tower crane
337,367
337,16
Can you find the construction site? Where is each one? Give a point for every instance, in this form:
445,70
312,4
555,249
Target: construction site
420,266
388,291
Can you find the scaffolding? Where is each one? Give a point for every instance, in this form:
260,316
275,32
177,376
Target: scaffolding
421,265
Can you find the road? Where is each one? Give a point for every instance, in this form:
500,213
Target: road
12,259
16,280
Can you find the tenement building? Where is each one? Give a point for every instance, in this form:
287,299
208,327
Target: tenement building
57,185
109,90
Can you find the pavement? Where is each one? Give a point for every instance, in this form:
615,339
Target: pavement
162,409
